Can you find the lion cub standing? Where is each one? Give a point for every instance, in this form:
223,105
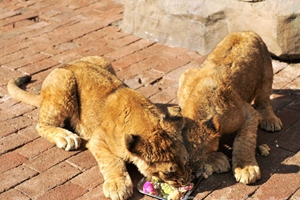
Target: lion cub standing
216,99
120,124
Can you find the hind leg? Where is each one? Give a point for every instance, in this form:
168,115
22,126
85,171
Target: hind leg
58,106
262,103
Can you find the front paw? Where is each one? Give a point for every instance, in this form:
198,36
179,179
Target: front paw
68,142
219,162
248,174
119,188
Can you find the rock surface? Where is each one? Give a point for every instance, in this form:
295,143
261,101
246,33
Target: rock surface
200,25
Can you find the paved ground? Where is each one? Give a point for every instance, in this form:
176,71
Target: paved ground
37,36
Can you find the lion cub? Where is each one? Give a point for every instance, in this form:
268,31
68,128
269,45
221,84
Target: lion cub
216,99
120,124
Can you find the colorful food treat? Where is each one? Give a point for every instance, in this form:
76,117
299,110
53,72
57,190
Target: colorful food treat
162,189
174,195
148,188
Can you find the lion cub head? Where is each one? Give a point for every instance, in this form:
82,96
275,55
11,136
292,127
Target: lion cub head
162,153
201,138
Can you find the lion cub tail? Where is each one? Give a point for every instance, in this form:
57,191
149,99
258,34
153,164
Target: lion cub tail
19,94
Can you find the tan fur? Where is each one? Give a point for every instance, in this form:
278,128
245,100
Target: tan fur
120,124
215,100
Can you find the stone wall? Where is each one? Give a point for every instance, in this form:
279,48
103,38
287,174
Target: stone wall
200,24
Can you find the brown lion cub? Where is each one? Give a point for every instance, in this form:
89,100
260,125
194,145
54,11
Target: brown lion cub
216,99
120,124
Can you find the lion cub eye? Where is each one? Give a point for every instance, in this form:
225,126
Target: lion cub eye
168,174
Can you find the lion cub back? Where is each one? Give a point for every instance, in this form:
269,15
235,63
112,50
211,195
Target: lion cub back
242,61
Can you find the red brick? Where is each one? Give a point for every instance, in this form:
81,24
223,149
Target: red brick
29,132
89,179
39,66
96,50
6,103
292,161
67,191
124,41
37,79
233,192
128,60
173,64
175,75
12,141
293,86
140,67
11,160
279,186
8,14
15,176
96,193
16,110
165,96
150,76
290,139
18,55
129,72
51,178
13,194
35,148
296,195
149,90
66,57
168,51
279,101
83,161
7,74
124,51
14,124
49,158
278,66
288,117
97,35
272,163
295,104
6,129
285,76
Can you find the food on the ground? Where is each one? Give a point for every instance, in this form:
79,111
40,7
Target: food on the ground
162,189
207,170
264,150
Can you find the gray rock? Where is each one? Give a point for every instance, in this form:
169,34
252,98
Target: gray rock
199,24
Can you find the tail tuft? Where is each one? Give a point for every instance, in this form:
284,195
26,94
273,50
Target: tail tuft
22,80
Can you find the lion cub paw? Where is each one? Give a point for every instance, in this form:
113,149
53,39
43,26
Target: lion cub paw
248,174
119,188
68,142
271,124
219,162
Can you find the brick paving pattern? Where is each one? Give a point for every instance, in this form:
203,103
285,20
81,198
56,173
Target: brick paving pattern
37,36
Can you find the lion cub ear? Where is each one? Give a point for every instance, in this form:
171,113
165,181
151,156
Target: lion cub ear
214,123
174,112
134,144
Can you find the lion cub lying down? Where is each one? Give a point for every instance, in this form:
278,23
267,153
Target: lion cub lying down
120,124
216,99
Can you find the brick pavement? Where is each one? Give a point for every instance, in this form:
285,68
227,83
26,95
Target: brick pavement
37,36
